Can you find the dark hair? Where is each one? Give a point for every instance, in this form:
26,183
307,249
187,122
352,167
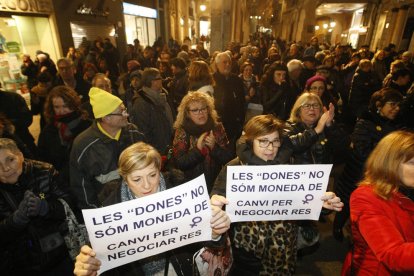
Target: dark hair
178,62
69,97
149,75
268,76
399,73
379,98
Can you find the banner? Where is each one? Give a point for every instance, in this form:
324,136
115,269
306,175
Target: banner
136,229
279,192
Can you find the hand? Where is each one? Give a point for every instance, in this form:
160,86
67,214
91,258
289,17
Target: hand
220,221
331,115
210,140
36,206
332,202
86,262
252,92
20,215
200,141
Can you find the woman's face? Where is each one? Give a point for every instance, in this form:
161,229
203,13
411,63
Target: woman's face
59,107
390,110
317,88
247,72
310,112
198,113
11,166
406,173
266,147
279,76
145,181
380,55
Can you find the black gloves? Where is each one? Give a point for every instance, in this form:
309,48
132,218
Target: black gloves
30,206
20,215
36,206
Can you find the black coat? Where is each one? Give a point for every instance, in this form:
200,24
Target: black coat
278,99
312,148
230,103
368,131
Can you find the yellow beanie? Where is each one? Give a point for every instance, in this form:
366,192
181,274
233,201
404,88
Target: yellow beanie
103,102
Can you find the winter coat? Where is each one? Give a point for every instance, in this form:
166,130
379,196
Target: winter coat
383,235
40,178
368,131
152,119
94,162
56,152
278,99
312,148
268,247
230,103
194,162
178,88
364,84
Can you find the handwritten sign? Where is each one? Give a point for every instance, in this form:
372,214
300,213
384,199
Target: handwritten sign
132,230
280,192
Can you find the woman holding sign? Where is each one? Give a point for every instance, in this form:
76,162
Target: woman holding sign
139,165
264,247
382,211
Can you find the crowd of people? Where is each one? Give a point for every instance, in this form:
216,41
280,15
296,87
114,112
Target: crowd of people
175,113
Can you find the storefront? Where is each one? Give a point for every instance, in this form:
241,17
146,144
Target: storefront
140,22
25,27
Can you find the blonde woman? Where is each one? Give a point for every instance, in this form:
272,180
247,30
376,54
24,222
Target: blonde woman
200,141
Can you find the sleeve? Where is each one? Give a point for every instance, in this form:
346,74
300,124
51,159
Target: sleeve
380,233
362,143
302,140
141,117
219,187
185,158
220,152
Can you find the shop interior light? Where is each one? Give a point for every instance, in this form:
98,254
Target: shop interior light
330,30
325,26
203,7
332,24
387,25
316,27
181,21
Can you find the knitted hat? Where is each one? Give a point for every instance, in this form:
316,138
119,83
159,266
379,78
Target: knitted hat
313,79
103,102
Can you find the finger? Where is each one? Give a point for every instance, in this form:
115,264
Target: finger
327,196
218,200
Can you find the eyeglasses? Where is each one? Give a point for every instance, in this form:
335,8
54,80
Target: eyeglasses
310,106
198,110
264,143
317,88
124,112
157,78
394,104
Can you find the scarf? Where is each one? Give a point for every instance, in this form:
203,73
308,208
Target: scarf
66,125
154,264
196,130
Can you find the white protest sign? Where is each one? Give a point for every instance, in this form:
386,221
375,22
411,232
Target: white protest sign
135,229
279,192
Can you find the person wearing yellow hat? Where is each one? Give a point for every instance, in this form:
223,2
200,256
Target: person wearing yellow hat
95,152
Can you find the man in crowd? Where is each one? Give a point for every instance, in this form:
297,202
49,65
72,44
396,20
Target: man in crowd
151,111
95,152
229,98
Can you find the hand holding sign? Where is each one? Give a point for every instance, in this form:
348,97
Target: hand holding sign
332,202
220,221
86,262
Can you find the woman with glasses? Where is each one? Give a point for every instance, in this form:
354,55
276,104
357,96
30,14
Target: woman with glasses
264,247
369,130
200,141
312,131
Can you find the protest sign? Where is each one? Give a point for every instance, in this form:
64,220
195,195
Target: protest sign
136,229
280,192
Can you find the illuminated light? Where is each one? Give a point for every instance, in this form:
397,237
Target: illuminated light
181,21
260,17
316,27
330,30
332,24
203,8
387,25
325,26
251,17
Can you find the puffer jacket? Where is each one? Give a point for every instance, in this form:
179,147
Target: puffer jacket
41,179
368,131
312,148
